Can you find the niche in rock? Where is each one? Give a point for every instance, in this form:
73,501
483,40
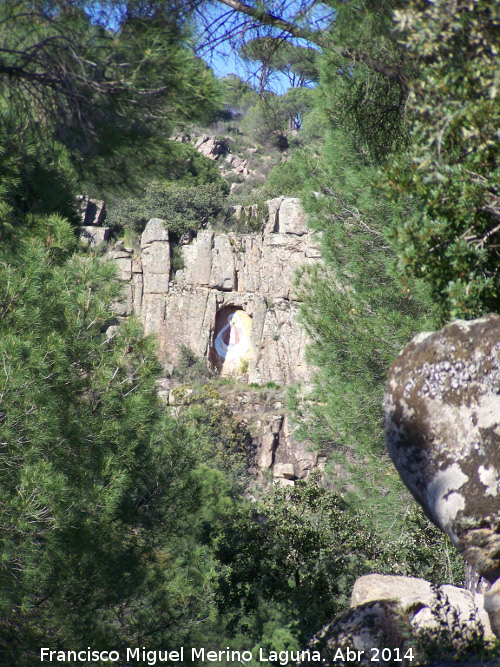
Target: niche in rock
232,349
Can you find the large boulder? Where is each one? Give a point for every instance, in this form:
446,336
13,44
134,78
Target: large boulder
292,218
91,211
397,620
210,147
358,635
155,258
417,598
442,422
93,236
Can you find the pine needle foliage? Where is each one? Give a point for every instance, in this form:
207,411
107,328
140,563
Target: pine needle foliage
358,316
365,73
81,71
105,80
34,184
95,480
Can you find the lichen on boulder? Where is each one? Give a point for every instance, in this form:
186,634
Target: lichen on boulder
442,423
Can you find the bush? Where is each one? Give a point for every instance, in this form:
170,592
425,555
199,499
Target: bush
132,158
191,368
452,637
285,179
182,207
302,547
219,438
423,551
176,259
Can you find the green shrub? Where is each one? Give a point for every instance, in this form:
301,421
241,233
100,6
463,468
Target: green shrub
452,637
302,547
252,221
285,179
127,171
191,368
423,551
219,438
176,260
183,207
233,178
243,366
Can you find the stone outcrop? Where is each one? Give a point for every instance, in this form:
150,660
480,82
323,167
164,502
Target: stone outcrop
239,285
355,636
397,613
417,598
210,146
271,447
236,165
234,304
263,415
92,213
219,150
442,421
93,235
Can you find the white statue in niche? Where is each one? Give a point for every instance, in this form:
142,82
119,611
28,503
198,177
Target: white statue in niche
232,341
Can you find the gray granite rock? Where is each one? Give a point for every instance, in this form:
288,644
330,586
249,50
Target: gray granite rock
416,597
442,422
253,272
91,235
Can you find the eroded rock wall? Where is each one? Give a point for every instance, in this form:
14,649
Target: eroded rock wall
254,273
264,416
234,304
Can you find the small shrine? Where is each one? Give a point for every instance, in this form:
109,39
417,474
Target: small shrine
232,349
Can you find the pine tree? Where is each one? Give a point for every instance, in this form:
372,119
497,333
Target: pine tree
104,82
358,316
95,480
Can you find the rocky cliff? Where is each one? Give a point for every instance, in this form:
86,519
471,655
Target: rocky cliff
233,302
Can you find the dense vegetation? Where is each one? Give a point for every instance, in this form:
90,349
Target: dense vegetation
124,523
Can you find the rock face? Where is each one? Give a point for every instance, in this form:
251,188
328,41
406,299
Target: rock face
91,213
93,235
261,414
396,613
219,150
264,417
233,302
210,147
442,421
416,598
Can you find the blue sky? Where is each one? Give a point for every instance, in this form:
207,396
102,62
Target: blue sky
233,65
224,59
